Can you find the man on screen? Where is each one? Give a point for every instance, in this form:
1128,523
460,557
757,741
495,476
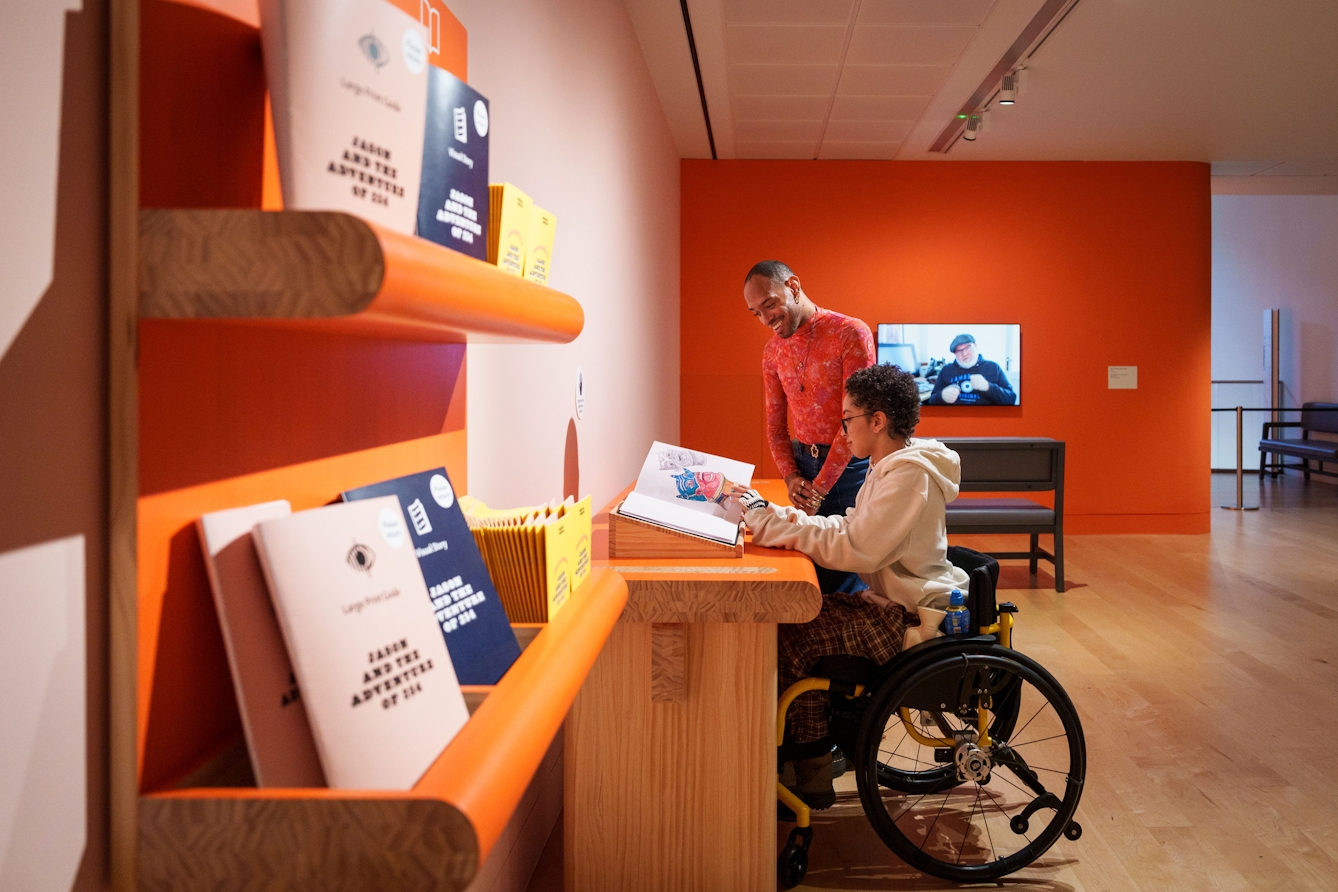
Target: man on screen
971,379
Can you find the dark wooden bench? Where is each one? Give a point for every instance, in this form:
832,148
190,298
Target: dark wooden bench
1012,464
1306,449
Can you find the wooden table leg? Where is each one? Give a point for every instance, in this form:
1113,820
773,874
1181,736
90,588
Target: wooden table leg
674,794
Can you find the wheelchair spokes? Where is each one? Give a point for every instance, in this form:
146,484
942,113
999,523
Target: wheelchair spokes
960,804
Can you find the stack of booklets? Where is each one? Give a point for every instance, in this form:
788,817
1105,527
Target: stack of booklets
510,230
349,629
537,556
520,240
685,490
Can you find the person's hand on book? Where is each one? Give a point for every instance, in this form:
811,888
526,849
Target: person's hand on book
749,498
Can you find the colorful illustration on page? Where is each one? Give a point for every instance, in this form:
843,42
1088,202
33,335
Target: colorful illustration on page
701,486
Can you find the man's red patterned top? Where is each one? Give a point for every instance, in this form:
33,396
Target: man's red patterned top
806,373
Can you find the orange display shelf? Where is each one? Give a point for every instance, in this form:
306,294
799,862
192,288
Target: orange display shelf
433,836
335,272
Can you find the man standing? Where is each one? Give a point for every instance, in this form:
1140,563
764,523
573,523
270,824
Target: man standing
804,368
971,379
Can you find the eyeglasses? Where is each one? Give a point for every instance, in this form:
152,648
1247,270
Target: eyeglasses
845,422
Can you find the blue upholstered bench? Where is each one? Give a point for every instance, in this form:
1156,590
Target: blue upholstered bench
1306,449
1012,464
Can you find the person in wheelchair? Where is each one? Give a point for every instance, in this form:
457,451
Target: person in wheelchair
895,538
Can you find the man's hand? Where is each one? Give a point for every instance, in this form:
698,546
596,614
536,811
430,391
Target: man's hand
979,384
950,393
803,494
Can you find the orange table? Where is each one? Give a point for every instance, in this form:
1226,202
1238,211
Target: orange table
670,754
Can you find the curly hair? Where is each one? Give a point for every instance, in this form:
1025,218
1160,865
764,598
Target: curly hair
887,389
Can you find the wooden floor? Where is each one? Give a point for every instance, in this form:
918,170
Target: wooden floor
1205,669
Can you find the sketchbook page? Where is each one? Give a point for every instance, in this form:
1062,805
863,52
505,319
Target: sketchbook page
675,517
687,478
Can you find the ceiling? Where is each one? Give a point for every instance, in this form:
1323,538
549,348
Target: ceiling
1243,84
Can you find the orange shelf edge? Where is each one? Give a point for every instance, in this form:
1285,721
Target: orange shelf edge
331,271
484,771
426,284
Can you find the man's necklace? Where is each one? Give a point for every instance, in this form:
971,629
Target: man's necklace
803,363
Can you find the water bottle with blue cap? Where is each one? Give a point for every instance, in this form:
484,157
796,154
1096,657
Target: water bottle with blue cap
958,620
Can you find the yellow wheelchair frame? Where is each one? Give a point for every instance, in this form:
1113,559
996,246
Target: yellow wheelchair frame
803,815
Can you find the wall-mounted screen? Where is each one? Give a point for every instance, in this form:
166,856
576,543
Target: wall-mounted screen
957,365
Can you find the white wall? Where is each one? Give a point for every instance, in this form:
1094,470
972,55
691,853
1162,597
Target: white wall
577,124
31,57
1273,251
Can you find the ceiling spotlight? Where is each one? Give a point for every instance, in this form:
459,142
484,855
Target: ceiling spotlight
972,128
984,120
1008,89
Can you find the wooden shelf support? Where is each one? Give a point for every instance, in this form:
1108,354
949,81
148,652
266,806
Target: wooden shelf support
332,271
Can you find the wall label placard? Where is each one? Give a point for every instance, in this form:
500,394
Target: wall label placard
1122,377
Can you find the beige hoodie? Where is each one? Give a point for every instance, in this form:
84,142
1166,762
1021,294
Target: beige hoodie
895,537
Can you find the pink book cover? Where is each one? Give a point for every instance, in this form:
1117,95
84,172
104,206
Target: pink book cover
278,735
376,678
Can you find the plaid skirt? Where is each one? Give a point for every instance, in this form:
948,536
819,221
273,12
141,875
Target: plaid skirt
846,625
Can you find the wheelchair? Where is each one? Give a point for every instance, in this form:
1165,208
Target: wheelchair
968,755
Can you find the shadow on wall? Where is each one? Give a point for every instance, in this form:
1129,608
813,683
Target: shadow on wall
571,464
53,472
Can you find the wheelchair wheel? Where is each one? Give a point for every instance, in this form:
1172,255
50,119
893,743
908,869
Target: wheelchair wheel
902,767
967,812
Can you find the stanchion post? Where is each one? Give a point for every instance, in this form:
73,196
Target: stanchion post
1240,466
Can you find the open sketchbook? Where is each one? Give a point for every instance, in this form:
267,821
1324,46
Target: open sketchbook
684,490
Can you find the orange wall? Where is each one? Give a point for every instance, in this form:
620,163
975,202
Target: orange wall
1101,263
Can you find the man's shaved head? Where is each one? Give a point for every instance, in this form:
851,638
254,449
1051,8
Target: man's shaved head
773,269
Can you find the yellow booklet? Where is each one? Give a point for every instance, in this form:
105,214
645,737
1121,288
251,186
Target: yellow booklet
539,247
557,567
579,516
509,226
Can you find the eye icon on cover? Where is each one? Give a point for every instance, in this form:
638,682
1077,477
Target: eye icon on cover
374,50
361,558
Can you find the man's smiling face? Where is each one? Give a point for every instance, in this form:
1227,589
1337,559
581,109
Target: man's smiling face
773,303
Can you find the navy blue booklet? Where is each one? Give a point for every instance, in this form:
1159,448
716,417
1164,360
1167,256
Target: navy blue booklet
472,619
453,192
